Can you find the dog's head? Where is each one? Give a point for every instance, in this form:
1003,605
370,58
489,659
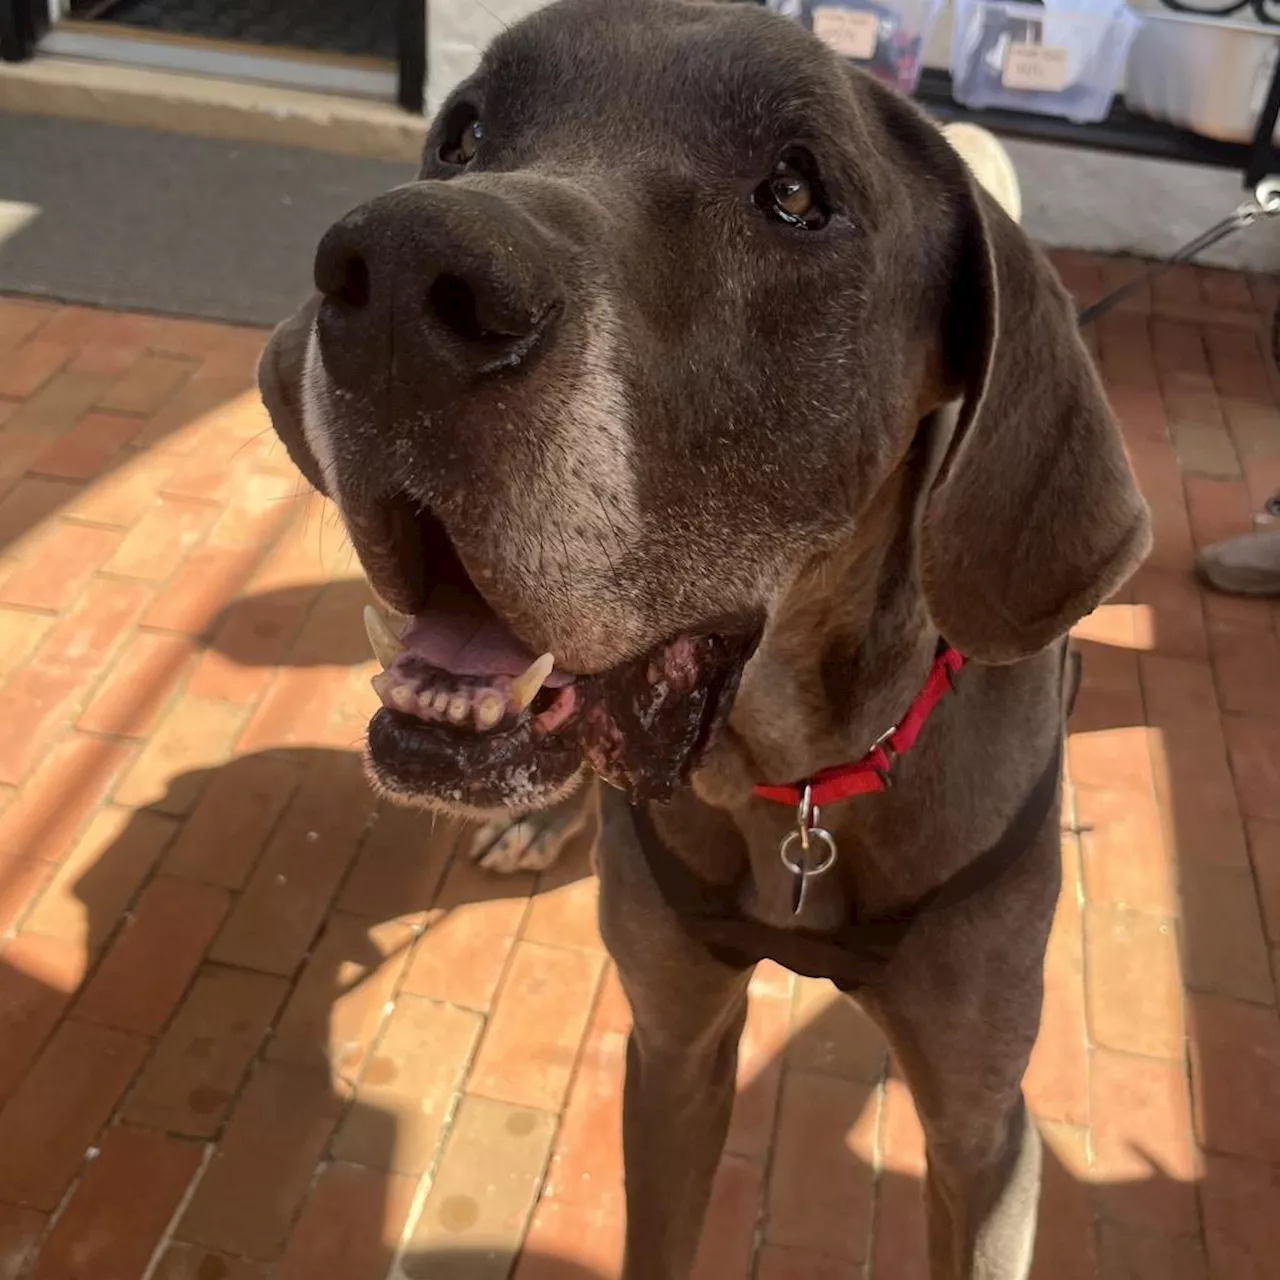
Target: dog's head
674,297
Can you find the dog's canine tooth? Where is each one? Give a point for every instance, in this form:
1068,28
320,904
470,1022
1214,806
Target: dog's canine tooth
385,643
488,710
459,705
525,688
440,703
425,702
382,684
404,698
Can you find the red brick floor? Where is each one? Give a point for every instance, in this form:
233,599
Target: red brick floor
255,1025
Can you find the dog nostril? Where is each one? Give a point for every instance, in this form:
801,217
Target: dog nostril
453,302
341,272
346,280
354,287
482,317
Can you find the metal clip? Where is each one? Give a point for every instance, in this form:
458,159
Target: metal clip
807,850
1264,202
1266,196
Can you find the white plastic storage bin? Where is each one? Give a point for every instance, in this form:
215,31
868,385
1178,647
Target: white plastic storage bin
1202,74
885,39
1063,58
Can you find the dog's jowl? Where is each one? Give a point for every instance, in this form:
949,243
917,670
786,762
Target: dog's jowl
707,430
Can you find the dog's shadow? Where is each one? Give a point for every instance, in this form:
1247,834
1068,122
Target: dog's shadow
259,628
329,930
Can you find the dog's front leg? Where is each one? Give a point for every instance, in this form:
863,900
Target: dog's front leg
961,1008
675,1114
982,1202
688,1013
982,1185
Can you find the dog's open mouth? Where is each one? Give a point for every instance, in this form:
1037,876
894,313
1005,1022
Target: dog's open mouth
472,717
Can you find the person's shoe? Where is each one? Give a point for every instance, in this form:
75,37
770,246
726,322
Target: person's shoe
1245,566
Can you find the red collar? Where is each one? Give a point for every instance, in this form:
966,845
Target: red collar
871,773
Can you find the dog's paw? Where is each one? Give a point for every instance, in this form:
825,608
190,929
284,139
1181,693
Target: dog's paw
507,847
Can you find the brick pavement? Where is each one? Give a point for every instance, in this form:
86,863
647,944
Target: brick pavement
256,1026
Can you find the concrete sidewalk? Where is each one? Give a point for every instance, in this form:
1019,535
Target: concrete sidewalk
161,222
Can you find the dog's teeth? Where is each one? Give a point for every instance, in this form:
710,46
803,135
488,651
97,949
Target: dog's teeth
425,702
440,703
489,709
385,643
459,705
525,688
382,684
404,697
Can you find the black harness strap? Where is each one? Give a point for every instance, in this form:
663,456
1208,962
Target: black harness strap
856,953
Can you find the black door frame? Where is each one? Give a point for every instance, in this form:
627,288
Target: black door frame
23,22
411,47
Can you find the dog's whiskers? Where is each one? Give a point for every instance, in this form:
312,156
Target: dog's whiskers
604,511
502,23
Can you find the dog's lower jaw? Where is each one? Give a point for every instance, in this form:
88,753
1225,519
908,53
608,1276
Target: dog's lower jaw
521,802
642,727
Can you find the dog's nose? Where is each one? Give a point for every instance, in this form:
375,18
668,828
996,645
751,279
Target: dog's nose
434,281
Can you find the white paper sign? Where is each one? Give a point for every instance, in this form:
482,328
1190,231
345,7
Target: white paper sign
850,33
1043,68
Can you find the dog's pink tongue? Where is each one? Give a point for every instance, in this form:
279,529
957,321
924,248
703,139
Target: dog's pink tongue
461,635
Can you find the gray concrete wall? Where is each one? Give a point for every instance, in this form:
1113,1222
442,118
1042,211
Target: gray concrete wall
1073,198
457,31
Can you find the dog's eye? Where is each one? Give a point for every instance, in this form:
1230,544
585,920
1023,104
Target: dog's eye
792,192
463,140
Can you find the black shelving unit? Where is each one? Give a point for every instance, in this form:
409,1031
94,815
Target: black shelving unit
1122,131
22,23
411,46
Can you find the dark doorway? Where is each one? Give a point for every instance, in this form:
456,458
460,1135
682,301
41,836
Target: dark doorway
370,48
358,28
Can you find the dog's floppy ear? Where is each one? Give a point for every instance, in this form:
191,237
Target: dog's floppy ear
1033,517
281,369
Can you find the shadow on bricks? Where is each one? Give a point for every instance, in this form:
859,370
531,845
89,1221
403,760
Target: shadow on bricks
283,1051
262,629
267,1050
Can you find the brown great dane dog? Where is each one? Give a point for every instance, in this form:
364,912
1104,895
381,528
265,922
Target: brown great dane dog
699,419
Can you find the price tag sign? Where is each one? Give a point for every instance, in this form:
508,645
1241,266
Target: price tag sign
851,33
1041,68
